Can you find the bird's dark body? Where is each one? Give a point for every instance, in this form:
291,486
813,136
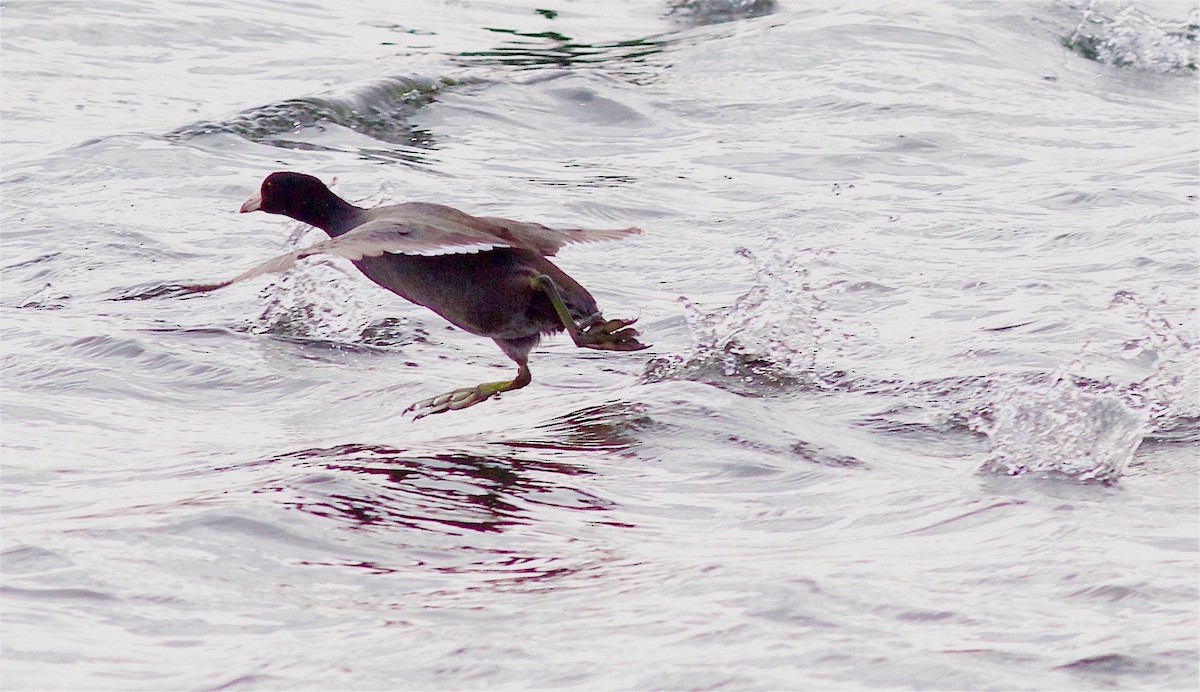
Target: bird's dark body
486,293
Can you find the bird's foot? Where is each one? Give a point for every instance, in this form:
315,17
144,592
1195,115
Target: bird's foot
613,335
457,399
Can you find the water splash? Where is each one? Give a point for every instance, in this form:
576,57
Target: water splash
1170,393
771,336
1066,430
311,303
1072,426
1132,38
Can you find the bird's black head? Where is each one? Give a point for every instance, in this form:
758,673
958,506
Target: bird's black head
302,197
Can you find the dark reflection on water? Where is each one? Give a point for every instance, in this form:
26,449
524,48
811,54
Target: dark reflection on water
443,492
380,110
539,49
609,427
1100,670
586,181
815,455
456,491
700,12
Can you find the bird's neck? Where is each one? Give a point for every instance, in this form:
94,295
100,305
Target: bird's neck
330,213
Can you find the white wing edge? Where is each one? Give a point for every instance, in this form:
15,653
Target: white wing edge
349,247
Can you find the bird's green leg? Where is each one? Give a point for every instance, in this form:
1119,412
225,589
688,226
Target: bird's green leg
613,335
545,284
469,396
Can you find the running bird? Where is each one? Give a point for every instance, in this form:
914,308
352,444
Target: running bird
487,275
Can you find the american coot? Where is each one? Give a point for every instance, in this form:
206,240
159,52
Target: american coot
487,275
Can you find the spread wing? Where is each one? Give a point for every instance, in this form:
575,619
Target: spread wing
447,230
419,228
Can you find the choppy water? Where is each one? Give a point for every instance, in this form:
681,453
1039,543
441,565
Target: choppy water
921,410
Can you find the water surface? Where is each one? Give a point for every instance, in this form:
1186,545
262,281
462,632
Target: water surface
921,409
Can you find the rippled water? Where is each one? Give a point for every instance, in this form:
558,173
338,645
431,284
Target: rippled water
921,411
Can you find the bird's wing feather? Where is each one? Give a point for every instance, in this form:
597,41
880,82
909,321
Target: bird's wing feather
548,241
412,237
373,239
438,229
